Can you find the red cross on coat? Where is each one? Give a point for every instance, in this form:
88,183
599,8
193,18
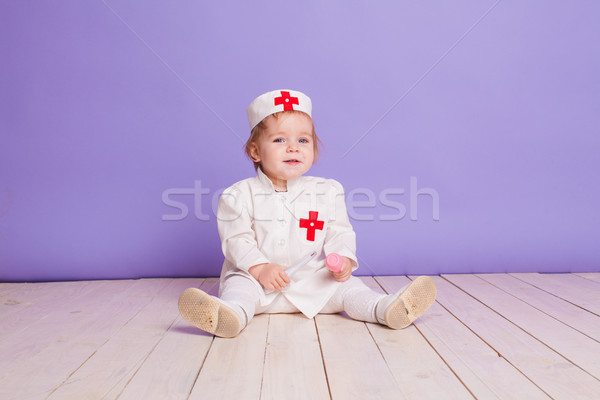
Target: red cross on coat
286,100
311,224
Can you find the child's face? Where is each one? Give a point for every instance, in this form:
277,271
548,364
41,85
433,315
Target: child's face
285,149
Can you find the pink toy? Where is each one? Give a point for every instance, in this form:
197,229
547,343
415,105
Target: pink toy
334,262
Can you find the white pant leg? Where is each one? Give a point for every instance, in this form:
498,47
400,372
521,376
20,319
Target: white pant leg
241,291
356,299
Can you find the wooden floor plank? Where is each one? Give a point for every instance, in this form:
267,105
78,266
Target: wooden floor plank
592,276
53,300
477,365
573,345
77,339
233,368
580,291
61,326
6,288
293,367
107,371
355,368
576,317
547,369
27,295
173,366
420,372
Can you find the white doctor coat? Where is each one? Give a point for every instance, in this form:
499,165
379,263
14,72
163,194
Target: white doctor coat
259,225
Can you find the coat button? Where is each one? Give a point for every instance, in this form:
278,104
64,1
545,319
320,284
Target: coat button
282,242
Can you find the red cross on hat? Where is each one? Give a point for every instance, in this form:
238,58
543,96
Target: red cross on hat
287,101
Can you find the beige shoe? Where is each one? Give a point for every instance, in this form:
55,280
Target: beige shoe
400,310
209,314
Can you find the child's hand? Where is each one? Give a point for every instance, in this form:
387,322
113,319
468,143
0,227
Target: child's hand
344,274
271,276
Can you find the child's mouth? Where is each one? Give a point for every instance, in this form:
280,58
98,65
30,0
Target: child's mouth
292,162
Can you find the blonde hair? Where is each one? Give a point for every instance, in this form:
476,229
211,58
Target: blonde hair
261,127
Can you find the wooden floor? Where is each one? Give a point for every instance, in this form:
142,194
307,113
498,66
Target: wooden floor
508,336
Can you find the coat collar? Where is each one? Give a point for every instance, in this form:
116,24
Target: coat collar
292,185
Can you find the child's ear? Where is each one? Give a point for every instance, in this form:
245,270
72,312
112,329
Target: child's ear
254,152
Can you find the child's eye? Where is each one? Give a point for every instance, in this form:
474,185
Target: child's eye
278,140
303,141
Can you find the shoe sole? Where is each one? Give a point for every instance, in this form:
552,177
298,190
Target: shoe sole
207,313
412,303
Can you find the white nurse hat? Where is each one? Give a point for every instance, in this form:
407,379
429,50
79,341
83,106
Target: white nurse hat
276,101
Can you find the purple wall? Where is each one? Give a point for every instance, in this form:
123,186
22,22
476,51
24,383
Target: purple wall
111,112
